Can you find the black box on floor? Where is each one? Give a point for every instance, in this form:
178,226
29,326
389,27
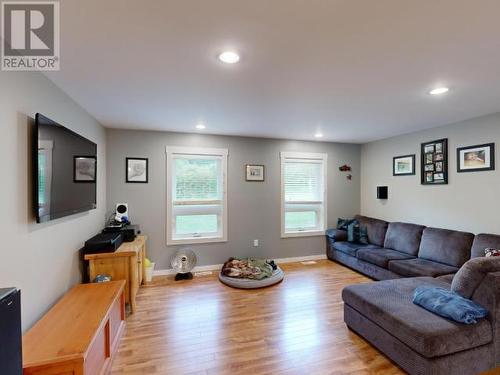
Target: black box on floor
103,243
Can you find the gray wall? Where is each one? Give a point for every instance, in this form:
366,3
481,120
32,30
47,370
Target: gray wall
40,259
253,208
469,202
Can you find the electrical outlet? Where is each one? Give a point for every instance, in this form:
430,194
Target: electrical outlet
255,243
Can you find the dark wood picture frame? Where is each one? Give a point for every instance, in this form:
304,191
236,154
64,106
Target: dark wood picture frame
435,154
75,158
255,165
127,177
491,167
413,160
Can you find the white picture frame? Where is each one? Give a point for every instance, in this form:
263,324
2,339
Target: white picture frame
254,172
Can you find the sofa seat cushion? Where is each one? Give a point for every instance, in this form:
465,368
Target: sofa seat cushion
351,248
381,257
389,305
447,278
420,267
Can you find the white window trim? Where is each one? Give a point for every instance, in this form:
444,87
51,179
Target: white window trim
311,156
223,154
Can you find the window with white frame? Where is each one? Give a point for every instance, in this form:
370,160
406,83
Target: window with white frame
196,195
303,194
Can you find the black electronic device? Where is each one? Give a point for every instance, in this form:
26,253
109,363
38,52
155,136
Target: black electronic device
103,243
11,361
382,192
64,171
129,232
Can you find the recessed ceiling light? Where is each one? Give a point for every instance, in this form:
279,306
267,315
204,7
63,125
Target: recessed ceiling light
200,126
229,57
318,135
439,91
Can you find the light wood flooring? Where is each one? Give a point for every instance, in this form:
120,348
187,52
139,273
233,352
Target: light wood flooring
204,327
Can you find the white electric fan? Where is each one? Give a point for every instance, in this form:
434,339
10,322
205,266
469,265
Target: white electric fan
183,261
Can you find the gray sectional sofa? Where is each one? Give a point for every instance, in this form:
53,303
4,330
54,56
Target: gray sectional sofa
405,256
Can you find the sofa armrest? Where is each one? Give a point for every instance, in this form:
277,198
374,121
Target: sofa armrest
487,294
336,235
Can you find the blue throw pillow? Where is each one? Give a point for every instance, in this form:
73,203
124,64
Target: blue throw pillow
342,224
357,233
448,304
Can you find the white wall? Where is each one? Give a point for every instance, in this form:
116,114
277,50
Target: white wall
253,207
469,202
40,259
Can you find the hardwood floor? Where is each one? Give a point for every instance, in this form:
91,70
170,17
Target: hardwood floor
204,327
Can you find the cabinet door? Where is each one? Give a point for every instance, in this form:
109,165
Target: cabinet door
135,268
114,266
140,266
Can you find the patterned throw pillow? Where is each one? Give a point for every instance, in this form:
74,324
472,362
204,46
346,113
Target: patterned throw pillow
357,233
488,252
342,224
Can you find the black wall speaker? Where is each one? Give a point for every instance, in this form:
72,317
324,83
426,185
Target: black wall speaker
382,192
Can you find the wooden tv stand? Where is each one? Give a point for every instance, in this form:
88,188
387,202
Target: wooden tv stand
126,263
80,334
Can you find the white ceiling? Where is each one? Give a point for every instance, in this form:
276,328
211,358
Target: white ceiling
357,70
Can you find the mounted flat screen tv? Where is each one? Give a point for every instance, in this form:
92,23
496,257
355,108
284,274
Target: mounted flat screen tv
64,171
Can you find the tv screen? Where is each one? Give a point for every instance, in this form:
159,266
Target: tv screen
65,171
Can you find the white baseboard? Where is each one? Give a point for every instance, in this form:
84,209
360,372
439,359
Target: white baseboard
300,259
217,267
170,271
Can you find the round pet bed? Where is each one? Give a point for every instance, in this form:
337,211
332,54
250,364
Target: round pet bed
234,282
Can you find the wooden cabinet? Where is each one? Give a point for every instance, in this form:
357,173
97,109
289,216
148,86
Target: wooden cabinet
126,263
80,334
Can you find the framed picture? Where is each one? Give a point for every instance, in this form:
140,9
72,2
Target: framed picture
434,168
84,168
136,170
403,165
438,176
476,158
429,149
254,172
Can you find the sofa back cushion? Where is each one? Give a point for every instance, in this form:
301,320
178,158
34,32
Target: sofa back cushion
483,241
472,274
404,237
446,246
376,229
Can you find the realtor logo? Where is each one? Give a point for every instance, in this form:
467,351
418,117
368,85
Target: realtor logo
30,35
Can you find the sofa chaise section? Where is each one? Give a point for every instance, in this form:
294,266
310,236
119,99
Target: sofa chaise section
419,341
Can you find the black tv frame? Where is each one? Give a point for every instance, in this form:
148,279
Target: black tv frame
34,153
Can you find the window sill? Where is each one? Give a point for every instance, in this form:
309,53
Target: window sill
311,233
193,241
